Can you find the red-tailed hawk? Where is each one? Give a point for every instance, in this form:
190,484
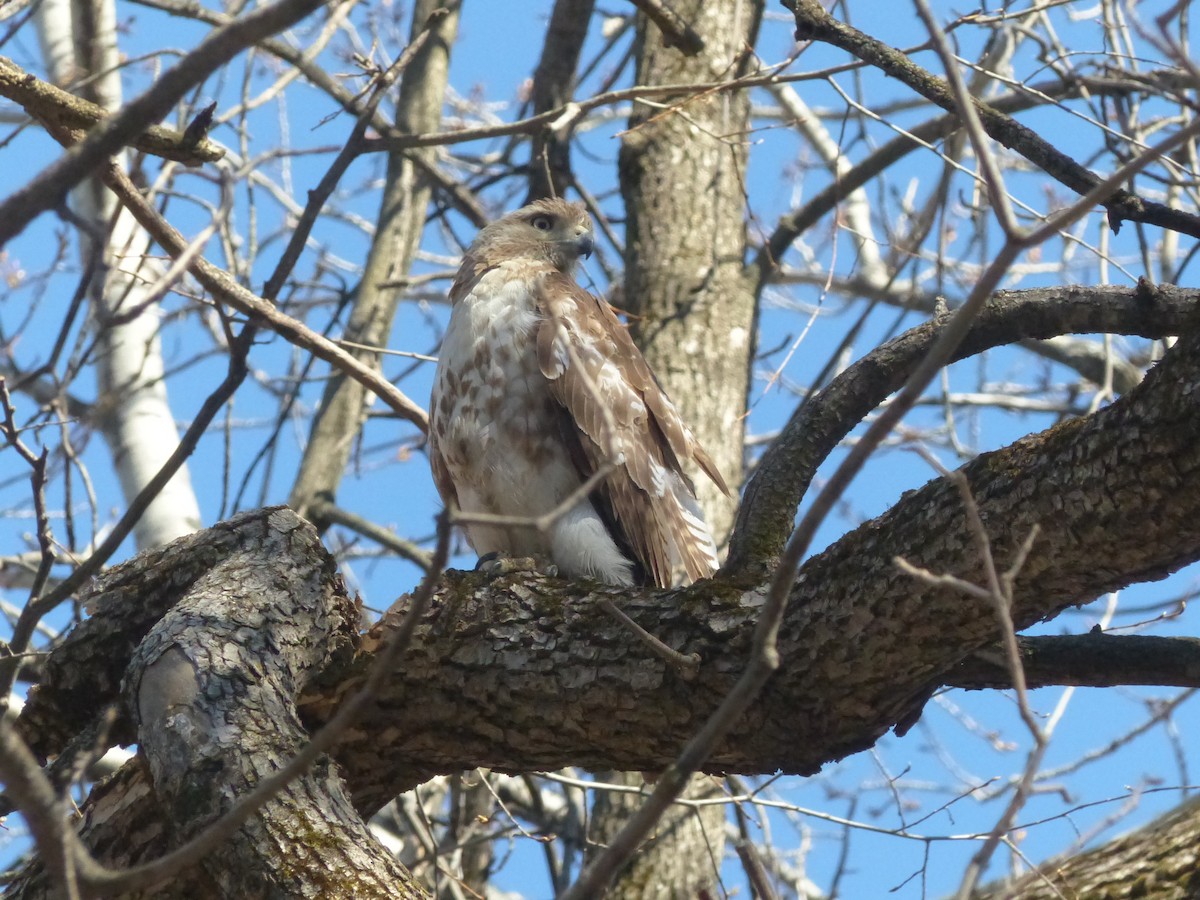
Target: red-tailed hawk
539,386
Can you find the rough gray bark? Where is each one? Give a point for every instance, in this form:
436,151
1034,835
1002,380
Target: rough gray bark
257,611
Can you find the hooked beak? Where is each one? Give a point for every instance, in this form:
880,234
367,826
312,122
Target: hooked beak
585,244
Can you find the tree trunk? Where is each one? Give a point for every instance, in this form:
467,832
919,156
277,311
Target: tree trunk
398,233
132,410
681,174
682,859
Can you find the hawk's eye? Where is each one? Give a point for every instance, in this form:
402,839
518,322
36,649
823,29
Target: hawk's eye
542,223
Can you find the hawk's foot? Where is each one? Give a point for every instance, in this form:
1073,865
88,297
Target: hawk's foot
495,564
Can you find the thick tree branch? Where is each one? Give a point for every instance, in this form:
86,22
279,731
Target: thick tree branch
480,686
468,696
785,471
1096,659
1086,356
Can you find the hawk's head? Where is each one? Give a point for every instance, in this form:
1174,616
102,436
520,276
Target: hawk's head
553,231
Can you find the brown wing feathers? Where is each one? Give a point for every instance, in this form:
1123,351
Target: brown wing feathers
620,413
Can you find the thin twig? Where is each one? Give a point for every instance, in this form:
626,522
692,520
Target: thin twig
326,511
686,664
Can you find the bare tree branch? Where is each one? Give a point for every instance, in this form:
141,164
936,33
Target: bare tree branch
54,106
47,189
1097,659
785,471
814,23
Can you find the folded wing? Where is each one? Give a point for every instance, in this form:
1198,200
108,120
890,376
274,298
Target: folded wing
615,414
